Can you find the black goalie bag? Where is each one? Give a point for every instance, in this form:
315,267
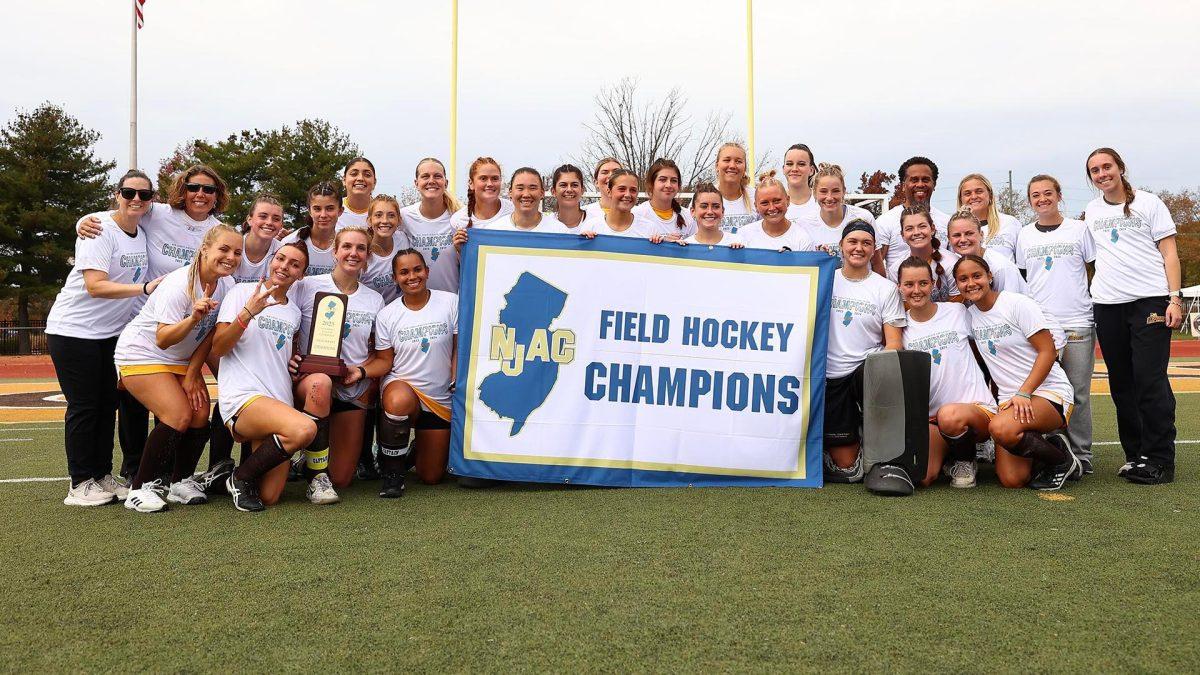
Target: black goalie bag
896,411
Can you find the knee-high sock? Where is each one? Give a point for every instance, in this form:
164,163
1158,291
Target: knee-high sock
189,452
393,442
960,448
221,447
1034,446
159,454
368,440
268,456
316,455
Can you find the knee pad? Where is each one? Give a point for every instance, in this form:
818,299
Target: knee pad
896,410
393,434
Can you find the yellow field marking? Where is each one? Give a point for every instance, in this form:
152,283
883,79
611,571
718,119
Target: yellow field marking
1055,497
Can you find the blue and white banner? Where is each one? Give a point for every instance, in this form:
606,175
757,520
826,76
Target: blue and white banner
615,361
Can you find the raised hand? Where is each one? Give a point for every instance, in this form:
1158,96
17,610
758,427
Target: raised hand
261,299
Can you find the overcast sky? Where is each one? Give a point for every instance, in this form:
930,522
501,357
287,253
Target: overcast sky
1026,85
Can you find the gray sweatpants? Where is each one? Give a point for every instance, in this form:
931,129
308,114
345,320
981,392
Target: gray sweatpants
1078,359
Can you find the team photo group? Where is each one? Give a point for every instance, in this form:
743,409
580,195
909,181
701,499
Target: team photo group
1009,315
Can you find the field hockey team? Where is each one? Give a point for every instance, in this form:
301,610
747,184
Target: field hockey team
1005,311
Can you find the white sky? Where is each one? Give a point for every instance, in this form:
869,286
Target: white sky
1026,85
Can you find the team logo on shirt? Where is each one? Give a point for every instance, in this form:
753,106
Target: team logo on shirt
847,318
282,329
434,252
1049,262
937,357
1115,235
424,345
991,347
851,306
1116,225
934,344
991,335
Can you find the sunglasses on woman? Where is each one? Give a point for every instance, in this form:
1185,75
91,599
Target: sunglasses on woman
144,195
197,187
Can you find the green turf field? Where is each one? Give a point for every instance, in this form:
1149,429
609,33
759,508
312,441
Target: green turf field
552,578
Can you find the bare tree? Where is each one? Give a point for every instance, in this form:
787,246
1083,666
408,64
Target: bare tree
636,132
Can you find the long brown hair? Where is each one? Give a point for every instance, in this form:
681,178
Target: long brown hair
325,188
661,164
936,256
177,195
474,169
1120,165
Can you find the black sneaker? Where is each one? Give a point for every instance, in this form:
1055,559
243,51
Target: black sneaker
1086,465
888,480
213,480
244,494
296,470
366,469
1052,478
1125,468
1145,472
393,485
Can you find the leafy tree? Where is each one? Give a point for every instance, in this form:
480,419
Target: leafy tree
49,177
875,184
1013,202
1185,211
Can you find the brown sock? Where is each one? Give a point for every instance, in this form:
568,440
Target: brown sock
1036,447
189,452
268,456
159,454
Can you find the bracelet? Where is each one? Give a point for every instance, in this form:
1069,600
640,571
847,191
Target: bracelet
363,371
1021,394
244,325
146,288
1173,299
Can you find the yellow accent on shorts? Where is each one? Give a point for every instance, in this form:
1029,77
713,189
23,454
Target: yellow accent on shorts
243,406
434,407
151,368
989,411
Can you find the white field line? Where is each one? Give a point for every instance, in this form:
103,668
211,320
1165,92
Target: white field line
14,440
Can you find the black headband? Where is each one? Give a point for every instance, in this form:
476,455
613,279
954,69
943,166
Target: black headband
858,226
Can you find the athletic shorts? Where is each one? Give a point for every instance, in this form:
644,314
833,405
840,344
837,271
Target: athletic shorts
428,420
843,408
151,368
337,405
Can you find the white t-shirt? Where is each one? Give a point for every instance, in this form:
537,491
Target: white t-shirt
172,237
1129,265
1005,275
641,228
644,215
168,304
944,286
809,209
350,218
431,236
794,239
593,210
954,375
737,214
423,341
1055,268
548,224
444,274
726,240
361,308
123,257
255,271
887,233
1002,335
579,227
1005,240
258,364
378,275
320,260
829,239
858,310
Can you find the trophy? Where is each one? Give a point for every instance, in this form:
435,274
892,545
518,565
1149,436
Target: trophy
325,336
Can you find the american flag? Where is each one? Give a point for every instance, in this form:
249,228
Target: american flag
137,8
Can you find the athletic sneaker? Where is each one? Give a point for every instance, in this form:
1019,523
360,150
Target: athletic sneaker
962,474
1124,469
296,470
89,493
117,486
148,498
836,474
1052,478
1145,472
889,480
212,482
244,494
986,451
186,491
366,469
393,485
320,490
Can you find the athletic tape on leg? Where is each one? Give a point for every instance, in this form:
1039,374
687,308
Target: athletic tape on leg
896,410
393,434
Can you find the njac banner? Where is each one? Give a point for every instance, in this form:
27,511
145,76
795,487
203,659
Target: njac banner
615,361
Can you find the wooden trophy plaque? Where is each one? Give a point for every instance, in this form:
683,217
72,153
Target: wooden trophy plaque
325,336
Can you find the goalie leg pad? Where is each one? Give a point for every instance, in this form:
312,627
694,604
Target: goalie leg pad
896,411
393,434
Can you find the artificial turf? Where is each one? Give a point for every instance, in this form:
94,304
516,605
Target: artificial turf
555,578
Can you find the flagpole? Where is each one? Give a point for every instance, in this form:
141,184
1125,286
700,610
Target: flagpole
453,96
750,85
133,86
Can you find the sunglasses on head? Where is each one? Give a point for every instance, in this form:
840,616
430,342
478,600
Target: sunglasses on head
144,195
197,187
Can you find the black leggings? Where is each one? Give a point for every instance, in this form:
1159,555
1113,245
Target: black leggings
89,382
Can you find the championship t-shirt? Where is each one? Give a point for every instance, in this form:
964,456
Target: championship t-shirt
1055,264
168,304
809,209
444,274
431,236
1005,240
794,239
829,239
254,271
258,364
548,224
1005,275
378,275
887,233
423,344
320,260
1002,336
1129,265
115,252
350,218
644,215
172,237
954,375
726,240
858,310
641,228
944,285
737,213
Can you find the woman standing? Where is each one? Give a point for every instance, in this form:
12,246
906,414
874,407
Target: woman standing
567,187
966,238
833,214
1136,291
95,303
1015,343
526,192
253,338
339,409
427,222
662,214
160,357
865,317
619,221
999,229
798,168
604,168
484,206
774,231
734,185
916,227
960,405
708,210
416,342
1055,253
263,224
359,180
324,209
387,239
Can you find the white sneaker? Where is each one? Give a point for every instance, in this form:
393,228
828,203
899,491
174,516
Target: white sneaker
986,451
320,490
962,474
186,491
89,493
115,485
147,499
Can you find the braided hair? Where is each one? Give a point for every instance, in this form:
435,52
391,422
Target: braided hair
936,256
323,189
1128,189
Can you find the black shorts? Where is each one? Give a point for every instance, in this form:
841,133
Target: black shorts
843,408
427,420
337,405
